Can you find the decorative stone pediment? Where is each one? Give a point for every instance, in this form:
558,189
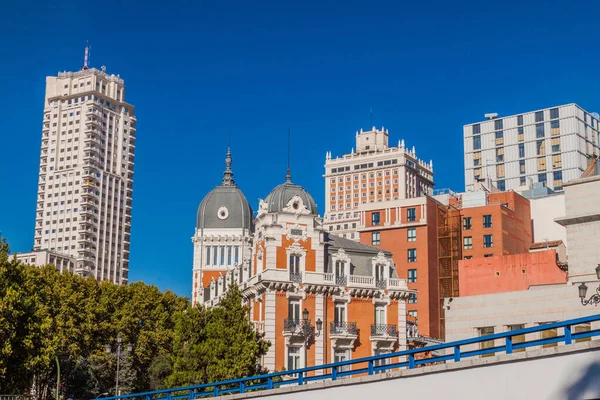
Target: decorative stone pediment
381,259
297,233
296,206
296,248
341,255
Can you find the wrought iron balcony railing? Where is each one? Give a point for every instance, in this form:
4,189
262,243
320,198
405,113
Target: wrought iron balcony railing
381,283
384,330
341,280
296,277
342,328
295,324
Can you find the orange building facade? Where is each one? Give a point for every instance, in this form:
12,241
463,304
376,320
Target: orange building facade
510,273
494,224
429,236
316,297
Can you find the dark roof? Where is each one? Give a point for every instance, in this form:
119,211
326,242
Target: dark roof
279,197
361,255
225,206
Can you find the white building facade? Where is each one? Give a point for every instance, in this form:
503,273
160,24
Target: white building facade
86,173
373,172
40,258
550,146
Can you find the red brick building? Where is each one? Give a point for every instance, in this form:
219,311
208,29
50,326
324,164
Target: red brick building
428,238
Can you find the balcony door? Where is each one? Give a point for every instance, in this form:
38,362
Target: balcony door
340,313
294,264
294,311
379,315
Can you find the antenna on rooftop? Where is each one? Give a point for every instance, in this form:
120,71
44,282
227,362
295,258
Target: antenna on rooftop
288,176
86,56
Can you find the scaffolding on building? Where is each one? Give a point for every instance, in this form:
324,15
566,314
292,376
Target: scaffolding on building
449,253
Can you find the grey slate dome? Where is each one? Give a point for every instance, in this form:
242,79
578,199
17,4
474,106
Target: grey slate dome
225,206
279,197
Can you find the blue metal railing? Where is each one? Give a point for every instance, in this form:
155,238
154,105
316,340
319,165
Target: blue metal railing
373,364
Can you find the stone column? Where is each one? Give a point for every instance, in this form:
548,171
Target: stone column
270,333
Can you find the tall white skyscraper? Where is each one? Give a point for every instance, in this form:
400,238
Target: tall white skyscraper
86,173
549,146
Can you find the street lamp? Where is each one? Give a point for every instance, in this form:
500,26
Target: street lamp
595,298
108,350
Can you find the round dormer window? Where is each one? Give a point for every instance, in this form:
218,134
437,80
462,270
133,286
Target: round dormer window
295,205
223,213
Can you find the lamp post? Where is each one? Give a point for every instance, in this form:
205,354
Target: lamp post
594,298
108,350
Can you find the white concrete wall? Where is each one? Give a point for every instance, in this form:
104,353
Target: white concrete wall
539,304
567,375
543,212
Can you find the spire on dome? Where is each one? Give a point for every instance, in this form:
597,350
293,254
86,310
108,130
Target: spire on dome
288,175
228,174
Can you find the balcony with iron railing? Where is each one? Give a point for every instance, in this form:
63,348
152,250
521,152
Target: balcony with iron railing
342,328
384,330
296,325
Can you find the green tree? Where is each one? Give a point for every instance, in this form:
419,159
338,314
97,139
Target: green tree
216,344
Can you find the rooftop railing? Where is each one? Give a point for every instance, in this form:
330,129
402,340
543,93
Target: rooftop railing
374,364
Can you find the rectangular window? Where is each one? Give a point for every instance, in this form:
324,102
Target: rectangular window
237,254
542,178
412,255
294,264
468,242
557,175
488,344
293,358
375,218
412,298
539,116
412,234
522,180
500,170
539,131
540,147
541,163
215,255
500,154
476,129
208,256
553,113
519,120
555,142
488,241
476,142
380,315
228,255
487,221
556,161
341,355
411,214
498,124
375,238
466,223
294,310
520,134
499,138
521,150
412,276
501,185
222,250
549,333
339,313
517,338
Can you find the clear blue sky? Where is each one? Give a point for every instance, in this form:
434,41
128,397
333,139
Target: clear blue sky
198,70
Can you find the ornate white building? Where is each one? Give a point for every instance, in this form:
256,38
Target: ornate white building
317,297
